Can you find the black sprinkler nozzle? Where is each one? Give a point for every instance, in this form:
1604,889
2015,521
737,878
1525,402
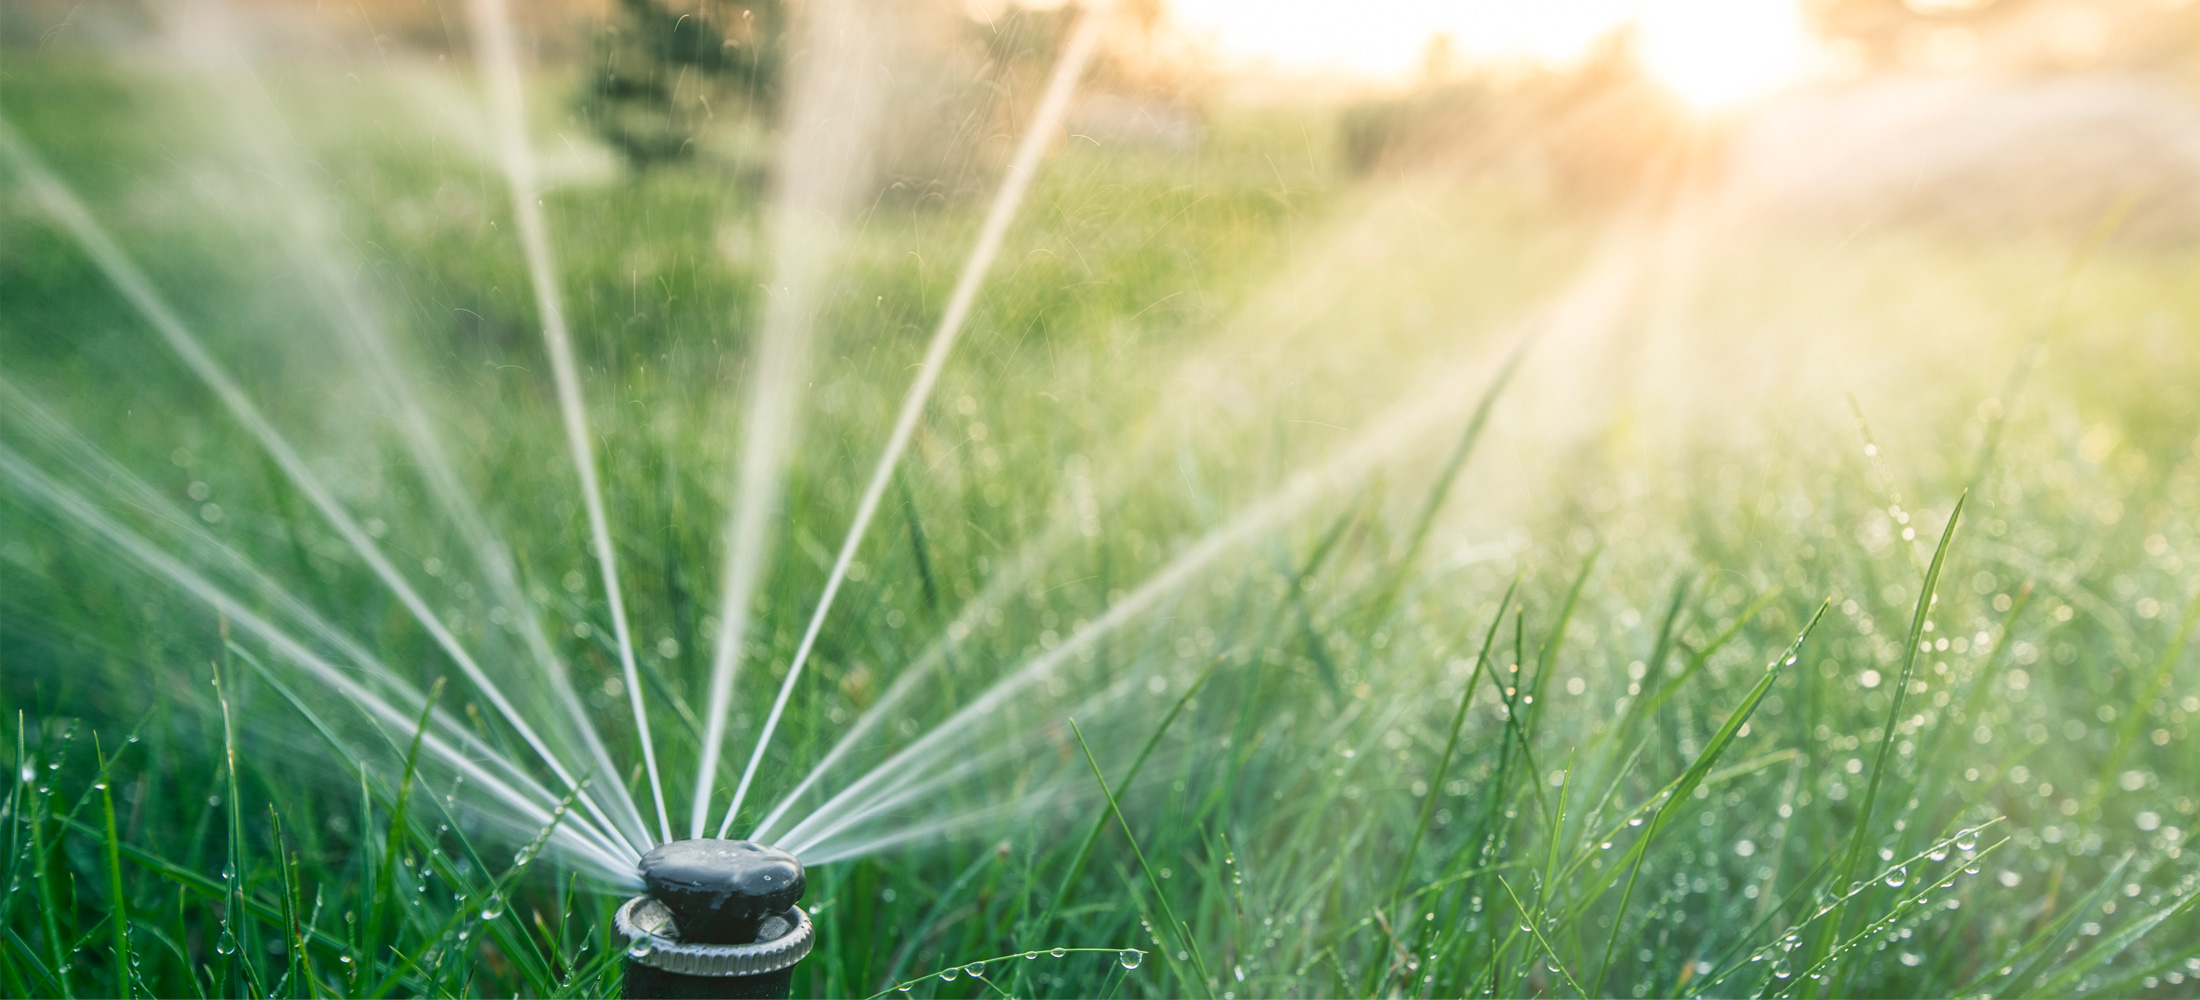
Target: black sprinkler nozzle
720,890
719,919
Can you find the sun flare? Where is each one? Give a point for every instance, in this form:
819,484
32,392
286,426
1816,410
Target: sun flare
1713,53
1716,53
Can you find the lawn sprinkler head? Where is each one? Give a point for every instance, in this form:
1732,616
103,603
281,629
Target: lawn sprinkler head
718,920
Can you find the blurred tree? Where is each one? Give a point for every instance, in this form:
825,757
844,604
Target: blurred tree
1140,53
958,107
1592,133
664,78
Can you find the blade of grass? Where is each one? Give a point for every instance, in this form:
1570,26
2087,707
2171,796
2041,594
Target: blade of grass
48,904
1540,939
2065,983
1861,835
1100,825
1697,659
118,911
1555,837
30,958
200,884
1687,785
923,931
287,906
1654,667
236,924
1722,775
1300,580
1902,906
399,829
917,547
1728,963
1795,895
904,986
1183,931
1932,786
500,886
1547,657
1443,764
1451,743
2053,939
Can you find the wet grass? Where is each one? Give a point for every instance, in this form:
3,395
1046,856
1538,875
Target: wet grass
1768,638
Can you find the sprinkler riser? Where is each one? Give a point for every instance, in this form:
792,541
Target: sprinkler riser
645,981
718,919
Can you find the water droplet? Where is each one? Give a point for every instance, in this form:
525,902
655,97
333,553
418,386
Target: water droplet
1898,876
1967,840
1938,854
639,949
1029,955
904,987
1059,952
1637,821
1131,957
975,969
30,772
950,975
226,944
493,907
1239,972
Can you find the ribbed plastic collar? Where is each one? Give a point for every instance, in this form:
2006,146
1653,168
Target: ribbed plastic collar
669,953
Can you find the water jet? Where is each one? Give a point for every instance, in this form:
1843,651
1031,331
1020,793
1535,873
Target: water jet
719,919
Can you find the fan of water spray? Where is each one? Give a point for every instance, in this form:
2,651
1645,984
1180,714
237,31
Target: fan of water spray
557,777
919,529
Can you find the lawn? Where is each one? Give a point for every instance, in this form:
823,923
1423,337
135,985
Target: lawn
1408,583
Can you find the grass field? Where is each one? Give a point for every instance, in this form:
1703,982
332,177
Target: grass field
1807,613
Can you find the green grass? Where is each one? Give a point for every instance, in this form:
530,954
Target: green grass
1637,673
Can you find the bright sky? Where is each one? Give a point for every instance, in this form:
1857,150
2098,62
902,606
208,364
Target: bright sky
1714,52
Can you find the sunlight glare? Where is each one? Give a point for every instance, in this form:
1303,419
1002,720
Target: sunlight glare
1716,53
1713,53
